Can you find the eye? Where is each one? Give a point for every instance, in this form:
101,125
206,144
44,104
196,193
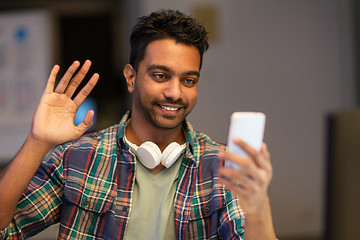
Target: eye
189,82
159,76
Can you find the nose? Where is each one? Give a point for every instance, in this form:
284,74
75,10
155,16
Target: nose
173,89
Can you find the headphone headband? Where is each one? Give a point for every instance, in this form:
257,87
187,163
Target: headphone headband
149,154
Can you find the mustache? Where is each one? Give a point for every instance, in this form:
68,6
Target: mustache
178,102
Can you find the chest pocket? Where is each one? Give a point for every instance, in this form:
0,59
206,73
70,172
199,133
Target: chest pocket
93,200
90,178
86,209
205,216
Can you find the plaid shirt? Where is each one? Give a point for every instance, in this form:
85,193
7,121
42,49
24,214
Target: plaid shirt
87,186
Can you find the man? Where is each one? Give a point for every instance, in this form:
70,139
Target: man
149,177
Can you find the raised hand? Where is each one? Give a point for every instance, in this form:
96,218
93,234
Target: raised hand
53,121
53,124
250,185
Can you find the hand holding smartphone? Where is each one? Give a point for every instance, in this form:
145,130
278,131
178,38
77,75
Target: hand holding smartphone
247,126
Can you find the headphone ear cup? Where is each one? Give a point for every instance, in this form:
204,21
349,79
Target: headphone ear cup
171,153
149,154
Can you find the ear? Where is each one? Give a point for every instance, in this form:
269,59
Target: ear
130,76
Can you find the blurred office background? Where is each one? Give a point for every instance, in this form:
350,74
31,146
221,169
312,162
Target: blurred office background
295,60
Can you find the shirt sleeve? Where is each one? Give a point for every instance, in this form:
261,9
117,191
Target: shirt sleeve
232,219
40,204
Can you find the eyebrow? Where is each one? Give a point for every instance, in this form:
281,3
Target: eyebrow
166,69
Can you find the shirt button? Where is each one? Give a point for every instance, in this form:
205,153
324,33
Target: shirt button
85,202
207,209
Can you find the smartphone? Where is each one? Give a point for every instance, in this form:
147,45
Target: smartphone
249,127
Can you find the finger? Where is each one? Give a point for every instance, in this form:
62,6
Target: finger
250,151
234,180
49,88
85,91
248,168
264,150
240,190
262,159
75,82
87,122
246,164
60,88
237,176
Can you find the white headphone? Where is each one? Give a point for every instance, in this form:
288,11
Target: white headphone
149,154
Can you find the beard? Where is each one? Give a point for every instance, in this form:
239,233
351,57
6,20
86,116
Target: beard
151,111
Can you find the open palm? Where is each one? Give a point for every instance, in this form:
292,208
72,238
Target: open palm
53,122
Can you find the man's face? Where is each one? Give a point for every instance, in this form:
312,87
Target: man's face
166,83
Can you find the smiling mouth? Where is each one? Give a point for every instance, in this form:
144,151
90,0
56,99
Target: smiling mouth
173,109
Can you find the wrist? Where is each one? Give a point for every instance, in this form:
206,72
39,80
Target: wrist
37,144
259,224
258,208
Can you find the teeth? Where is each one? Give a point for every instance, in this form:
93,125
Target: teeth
169,108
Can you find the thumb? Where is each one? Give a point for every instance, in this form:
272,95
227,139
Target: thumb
86,123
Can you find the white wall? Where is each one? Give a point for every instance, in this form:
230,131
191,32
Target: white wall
25,53
292,60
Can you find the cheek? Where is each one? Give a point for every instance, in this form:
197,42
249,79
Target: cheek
146,92
192,95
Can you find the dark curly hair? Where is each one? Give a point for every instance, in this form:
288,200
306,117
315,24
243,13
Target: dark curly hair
163,25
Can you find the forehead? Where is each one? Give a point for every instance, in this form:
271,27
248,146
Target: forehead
172,54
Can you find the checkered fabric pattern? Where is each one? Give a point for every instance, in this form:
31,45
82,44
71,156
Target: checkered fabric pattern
87,186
